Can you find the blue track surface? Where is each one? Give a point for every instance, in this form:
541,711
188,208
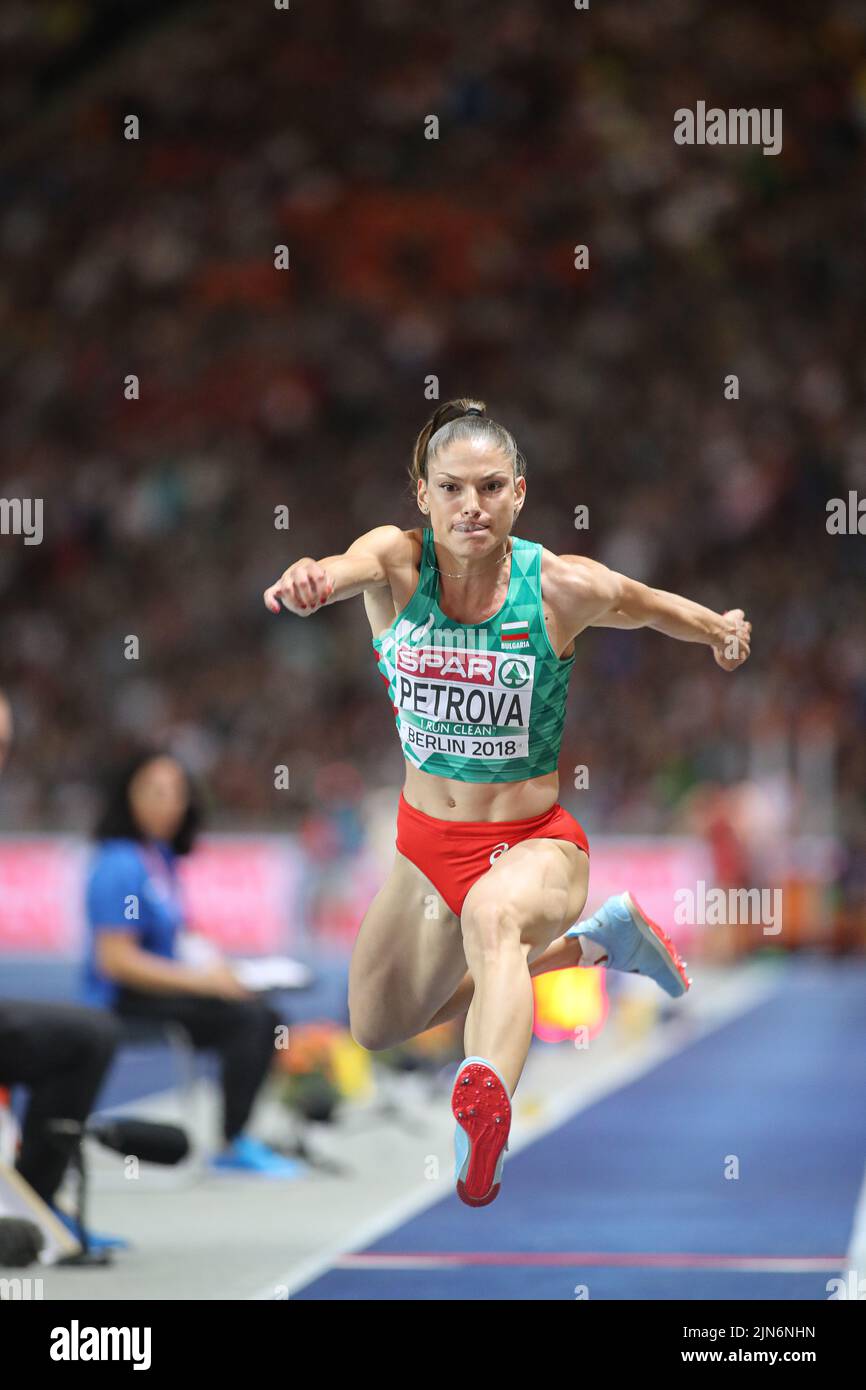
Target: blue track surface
638,1175
641,1172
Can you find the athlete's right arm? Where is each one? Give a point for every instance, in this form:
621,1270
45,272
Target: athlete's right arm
308,584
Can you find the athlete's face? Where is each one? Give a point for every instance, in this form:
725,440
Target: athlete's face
473,497
158,798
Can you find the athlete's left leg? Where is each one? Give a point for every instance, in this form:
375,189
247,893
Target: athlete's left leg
530,896
564,954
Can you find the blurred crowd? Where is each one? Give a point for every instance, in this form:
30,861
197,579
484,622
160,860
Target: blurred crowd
412,258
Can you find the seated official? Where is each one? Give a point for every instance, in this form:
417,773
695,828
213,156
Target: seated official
61,1053
135,920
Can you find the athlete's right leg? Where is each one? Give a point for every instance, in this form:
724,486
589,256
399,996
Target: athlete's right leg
619,935
407,960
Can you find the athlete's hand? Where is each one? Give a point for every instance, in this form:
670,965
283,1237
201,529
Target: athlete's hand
732,647
304,587
217,980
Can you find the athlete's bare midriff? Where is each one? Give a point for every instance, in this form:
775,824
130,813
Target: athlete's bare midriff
444,797
447,799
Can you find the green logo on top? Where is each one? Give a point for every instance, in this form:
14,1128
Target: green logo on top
514,673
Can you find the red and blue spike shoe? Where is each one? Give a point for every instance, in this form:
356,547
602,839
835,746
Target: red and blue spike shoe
482,1108
635,943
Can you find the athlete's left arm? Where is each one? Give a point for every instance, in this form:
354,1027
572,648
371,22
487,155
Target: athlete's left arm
588,594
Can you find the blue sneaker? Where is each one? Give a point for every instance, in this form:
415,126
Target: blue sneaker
94,1241
634,943
248,1155
481,1106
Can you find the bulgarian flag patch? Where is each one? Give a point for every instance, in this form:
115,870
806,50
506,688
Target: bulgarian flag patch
514,632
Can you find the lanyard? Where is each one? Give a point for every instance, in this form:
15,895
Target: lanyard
159,871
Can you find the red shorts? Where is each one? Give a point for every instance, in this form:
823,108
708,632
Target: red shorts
454,854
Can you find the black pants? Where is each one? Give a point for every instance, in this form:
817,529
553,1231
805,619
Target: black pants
61,1052
240,1030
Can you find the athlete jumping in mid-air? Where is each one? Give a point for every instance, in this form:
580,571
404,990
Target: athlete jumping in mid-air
474,631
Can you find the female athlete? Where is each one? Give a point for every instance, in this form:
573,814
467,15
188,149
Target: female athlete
474,631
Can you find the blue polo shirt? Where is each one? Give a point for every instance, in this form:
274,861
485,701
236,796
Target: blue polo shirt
132,887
